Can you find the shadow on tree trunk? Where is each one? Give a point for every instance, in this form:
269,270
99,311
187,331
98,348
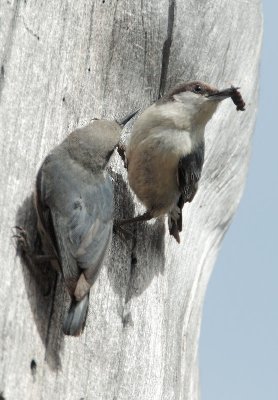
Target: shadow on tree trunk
43,286
148,237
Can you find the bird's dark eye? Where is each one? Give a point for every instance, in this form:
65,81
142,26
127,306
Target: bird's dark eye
197,89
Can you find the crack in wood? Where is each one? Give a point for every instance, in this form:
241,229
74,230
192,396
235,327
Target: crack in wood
33,367
133,262
167,47
226,57
8,45
2,77
29,30
51,314
89,45
111,53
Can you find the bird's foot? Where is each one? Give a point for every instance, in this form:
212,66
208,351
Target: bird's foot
123,233
22,242
24,248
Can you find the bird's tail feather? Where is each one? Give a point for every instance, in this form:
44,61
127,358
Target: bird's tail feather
174,229
175,219
75,319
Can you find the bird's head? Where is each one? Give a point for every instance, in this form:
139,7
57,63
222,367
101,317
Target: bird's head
200,99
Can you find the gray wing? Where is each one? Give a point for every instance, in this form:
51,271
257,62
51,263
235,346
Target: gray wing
188,175
189,172
76,211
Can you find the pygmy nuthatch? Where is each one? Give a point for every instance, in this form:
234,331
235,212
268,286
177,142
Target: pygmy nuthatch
165,153
74,202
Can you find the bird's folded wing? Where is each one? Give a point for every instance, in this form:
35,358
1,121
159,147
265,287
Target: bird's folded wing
189,173
80,223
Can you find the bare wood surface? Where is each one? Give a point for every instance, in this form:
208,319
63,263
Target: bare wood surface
62,64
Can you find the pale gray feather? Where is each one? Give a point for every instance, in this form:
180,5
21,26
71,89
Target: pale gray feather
77,211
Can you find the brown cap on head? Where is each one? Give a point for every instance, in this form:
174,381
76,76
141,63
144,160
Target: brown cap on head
198,87
204,89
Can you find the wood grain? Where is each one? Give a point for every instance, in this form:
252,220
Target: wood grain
63,63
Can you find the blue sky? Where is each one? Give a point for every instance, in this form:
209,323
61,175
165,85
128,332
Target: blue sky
239,337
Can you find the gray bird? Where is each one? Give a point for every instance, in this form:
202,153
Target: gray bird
165,152
74,203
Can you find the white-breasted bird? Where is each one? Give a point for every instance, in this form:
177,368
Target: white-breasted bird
165,152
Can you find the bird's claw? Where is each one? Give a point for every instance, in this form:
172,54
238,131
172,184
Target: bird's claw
123,233
22,242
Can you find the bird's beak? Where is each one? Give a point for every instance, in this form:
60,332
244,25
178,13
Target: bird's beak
127,118
220,95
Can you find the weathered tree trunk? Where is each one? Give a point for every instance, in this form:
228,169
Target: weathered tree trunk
63,63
